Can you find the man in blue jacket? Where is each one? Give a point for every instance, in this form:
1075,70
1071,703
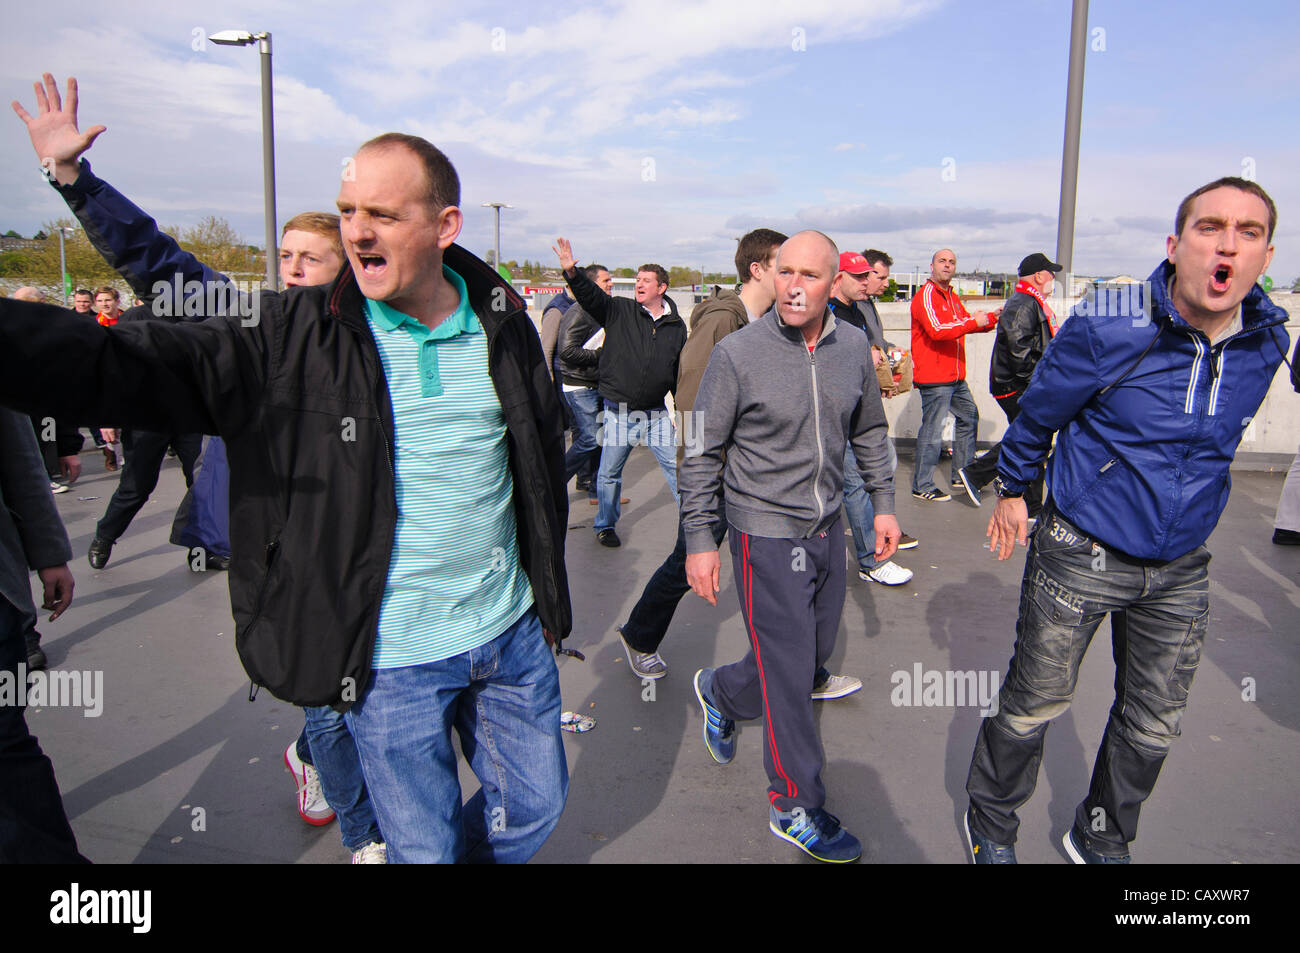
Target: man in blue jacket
1149,401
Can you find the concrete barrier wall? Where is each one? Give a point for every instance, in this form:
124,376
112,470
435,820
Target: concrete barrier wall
1269,444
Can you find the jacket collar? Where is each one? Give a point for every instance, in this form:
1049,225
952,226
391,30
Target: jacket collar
794,335
1257,309
493,299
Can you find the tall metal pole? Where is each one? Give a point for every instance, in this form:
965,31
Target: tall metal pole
268,166
498,206
1070,155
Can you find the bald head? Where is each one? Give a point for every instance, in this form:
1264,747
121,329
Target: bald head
805,268
810,242
28,293
943,265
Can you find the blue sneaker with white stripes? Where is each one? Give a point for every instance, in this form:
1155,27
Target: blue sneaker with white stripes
719,730
817,833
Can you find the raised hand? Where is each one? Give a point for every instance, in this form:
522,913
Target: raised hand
54,133
564,251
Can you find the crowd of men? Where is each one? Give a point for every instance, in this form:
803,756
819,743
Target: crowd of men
439,610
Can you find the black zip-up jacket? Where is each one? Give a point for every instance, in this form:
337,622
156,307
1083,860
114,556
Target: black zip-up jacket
639,364
578,366
1022,336
302,402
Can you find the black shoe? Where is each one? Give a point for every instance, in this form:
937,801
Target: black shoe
583,486
1286,537
36,659
100,550
608,537
964,482
211,561
1077,849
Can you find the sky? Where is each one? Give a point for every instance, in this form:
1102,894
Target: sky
661,131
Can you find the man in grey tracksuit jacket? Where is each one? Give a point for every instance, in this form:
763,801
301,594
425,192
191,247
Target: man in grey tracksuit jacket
778,402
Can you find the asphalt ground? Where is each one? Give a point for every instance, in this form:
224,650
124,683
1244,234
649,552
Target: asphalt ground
181,768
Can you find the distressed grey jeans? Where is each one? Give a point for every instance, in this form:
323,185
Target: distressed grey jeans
1158,618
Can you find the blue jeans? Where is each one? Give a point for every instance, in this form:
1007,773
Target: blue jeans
860,512
503,701
583,455
328,746
1158,617
620,431
936,401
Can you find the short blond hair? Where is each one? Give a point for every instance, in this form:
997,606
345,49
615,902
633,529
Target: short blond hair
325,224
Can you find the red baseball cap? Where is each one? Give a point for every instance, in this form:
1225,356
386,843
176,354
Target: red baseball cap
853,263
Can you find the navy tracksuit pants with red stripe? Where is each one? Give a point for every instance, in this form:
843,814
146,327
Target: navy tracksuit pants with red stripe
791,596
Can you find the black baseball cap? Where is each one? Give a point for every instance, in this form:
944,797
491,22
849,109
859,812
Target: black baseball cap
1035,263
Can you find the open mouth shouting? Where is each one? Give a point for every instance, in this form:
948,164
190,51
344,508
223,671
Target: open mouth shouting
1221,278
372,266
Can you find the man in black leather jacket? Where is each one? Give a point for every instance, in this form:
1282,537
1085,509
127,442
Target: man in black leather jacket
1025,327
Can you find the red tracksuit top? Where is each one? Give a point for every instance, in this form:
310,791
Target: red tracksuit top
939,323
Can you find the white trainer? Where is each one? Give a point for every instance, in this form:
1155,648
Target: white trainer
837,686
312,806
888,574
372,853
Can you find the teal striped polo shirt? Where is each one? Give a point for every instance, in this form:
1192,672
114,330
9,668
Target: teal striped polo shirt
455,581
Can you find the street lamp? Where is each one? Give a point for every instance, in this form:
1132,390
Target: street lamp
498,206
263,41
1070,150
63,263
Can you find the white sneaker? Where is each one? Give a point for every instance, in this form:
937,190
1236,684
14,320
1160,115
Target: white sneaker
312,806
887,574
372,853
837,686
57,487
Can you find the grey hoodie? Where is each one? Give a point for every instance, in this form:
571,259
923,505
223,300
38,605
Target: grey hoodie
771,421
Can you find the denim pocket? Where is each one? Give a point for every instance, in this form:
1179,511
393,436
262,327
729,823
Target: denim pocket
1055,534
1188,658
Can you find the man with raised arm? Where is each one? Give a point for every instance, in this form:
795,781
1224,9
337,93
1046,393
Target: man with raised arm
415,383
643,339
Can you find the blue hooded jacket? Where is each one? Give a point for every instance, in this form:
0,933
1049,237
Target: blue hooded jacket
1149,416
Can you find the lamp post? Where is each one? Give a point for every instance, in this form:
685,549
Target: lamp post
63,263
263,41
498,206
1070,150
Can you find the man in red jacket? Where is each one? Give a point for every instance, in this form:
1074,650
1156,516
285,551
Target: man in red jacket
939,322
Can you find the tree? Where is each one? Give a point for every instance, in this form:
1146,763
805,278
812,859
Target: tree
12,234
891,291
624,273
1295,286
679,276
215,242
40,266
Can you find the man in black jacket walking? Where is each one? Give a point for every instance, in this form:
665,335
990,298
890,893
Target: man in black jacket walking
643,341
579,342
1025,327
396,451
